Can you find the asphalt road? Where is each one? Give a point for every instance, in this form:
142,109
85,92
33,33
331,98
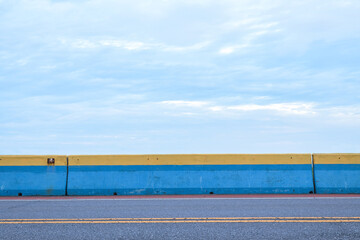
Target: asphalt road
180,218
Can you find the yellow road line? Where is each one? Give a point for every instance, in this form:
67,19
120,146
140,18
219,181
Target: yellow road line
189,221
185,220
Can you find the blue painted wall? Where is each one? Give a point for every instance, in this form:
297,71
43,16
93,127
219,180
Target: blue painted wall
190,179
337,178
30,175
32,180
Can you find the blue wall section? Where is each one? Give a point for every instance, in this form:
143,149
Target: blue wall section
189,179
32,180
179,174
337,178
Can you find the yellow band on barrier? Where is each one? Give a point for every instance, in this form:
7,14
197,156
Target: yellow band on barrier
190,159
180,159
337,158
32,160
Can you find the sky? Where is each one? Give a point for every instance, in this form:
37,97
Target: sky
189,76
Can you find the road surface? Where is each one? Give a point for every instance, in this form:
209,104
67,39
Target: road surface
181,217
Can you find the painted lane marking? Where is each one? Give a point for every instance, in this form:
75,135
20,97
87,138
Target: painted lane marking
192,221
169,199
186,220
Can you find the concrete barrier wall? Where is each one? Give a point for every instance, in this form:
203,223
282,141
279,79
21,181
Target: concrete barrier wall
32,175
179,174
190,174
337,173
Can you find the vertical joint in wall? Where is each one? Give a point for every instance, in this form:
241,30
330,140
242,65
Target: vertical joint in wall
67,175
313,172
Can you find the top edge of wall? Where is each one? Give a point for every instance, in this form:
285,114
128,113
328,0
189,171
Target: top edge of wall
190,159
336,158
32,160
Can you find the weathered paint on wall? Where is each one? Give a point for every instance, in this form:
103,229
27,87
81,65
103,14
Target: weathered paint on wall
32,175
337,173
190,174
179,174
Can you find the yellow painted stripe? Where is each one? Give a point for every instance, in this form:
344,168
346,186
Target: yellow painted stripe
195,221
31,160
180,159
190,159
187,220
184,218
338,158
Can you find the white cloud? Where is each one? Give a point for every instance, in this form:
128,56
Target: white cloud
180,103
335,115
262,98
345,113
124,44
293,108
131,45
196,46
231,25
286,108
80,43
231,49
251,36
227,50
263,25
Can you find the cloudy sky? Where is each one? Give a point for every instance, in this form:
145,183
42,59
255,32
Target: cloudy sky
189,76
